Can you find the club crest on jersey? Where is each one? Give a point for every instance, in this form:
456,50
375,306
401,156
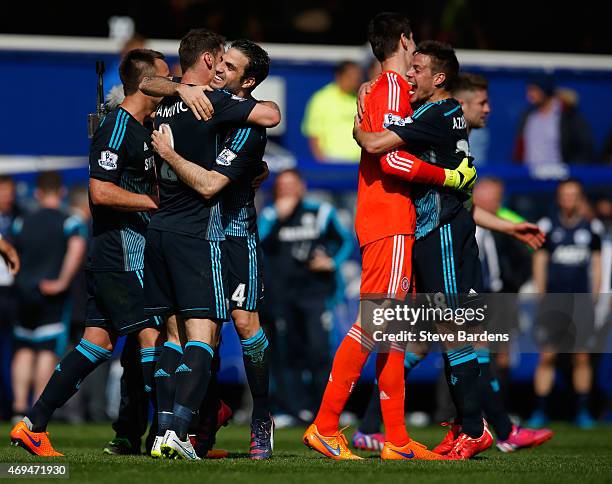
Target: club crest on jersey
225,157
108,160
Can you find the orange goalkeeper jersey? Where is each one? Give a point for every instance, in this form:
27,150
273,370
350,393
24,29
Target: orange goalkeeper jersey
384,204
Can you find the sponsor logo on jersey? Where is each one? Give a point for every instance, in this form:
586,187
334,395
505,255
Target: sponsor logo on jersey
226,157
238,98
108,160
146,147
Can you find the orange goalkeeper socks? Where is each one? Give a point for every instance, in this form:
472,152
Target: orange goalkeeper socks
346,368
390,374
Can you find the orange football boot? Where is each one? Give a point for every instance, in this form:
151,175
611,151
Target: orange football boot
335,446
36,443
413,450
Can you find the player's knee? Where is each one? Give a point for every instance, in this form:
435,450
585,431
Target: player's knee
246,323
99,337
149,337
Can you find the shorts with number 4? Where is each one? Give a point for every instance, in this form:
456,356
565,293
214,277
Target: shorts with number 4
243,258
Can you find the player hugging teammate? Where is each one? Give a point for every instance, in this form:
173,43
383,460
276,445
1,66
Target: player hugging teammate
197,261
186,269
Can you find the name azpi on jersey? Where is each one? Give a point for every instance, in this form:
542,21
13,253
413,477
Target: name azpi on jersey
459,123
169,111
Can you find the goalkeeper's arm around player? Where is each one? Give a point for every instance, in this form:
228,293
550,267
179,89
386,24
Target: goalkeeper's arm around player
410,168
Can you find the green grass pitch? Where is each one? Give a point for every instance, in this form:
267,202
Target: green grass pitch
571,456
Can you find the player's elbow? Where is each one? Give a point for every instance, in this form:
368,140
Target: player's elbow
374,145
144,84
271,119
208,191
97,194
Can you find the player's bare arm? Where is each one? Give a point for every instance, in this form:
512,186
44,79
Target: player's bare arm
75,253
113,196
266,114
194,97
526,232
9,254
364,90
206,182
376,143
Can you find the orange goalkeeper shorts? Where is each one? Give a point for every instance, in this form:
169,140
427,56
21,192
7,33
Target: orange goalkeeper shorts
387,268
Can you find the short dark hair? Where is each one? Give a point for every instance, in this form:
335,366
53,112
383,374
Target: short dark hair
468,82
259,60
195,43
135,65
49,182
443,59
385,31
343,66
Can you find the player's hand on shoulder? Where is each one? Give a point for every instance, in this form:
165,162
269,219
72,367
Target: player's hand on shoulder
463,177
262,177
197,101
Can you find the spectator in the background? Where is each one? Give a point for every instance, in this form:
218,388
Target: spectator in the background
330,113
567,274
8,307
506,265
552,130
304,246
51,245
